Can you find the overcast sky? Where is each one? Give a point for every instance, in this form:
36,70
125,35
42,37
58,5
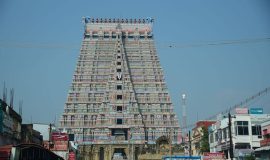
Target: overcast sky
217,52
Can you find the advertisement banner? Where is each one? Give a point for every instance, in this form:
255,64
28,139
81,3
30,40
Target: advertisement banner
60,146
71,156
56,136
241,110
213,156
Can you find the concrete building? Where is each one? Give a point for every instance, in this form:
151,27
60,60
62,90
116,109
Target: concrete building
29,135
118,102
263,153
197,135
246,133
59,144
10,125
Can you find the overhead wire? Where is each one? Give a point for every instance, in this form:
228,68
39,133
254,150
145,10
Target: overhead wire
215,43
37,45
5,44
241,104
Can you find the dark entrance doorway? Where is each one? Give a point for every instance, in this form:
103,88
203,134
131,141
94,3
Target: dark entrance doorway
101,153
119,153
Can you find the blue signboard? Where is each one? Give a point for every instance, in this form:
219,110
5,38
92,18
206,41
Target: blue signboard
256,111
175,157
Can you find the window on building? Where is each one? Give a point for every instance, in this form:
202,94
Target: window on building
256,130
118,70
165,119
65,119
119,76
119,121
119,87
242,146
102,116
119,97
85,118
224,133
216,136
118,56
119,108
219,135
152,119
119,63
211,138
241,128
72,120
136,118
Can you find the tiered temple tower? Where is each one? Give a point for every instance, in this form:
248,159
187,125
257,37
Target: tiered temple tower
118,101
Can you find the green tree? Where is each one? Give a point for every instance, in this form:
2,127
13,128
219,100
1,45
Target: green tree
249,157
204,143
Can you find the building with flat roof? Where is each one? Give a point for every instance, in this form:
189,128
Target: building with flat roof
197,136
263,152
10,125
246,133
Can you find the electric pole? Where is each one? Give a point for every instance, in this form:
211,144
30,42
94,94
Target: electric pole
189,139
50,136
230,135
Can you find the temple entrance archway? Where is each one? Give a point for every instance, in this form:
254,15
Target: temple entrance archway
163,145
